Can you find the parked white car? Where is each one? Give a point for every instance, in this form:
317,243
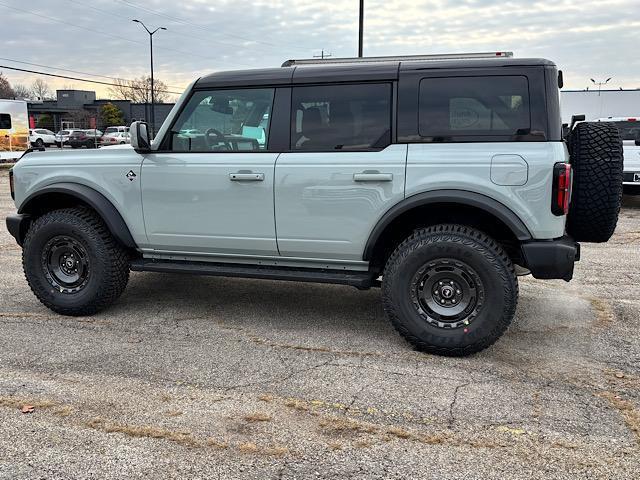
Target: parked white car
119,129
117,138
40,137
630,132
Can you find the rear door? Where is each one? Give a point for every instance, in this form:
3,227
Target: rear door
341,173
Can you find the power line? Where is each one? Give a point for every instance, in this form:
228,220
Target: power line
81,79
74,71
103,33
186,22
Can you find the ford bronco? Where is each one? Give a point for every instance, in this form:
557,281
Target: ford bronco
437,178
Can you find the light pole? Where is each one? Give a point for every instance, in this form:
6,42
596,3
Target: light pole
601,83
361,28
153,98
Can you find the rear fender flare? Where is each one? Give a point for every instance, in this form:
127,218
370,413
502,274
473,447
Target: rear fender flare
459,197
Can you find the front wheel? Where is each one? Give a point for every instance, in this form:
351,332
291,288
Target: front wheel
72,263
450,290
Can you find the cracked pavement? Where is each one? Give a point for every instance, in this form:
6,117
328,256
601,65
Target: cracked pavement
202,377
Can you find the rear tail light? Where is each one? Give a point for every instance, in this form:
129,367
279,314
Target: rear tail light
561,192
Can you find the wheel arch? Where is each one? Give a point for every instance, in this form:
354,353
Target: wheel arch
444,206
60,195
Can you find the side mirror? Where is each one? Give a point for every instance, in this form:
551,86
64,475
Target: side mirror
139,135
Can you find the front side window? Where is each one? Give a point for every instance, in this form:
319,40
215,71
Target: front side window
489,106
5,120
224,121
341,117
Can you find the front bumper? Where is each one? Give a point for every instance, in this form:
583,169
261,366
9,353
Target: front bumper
548,259
18,226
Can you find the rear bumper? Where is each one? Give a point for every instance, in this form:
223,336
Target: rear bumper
18,226
549,259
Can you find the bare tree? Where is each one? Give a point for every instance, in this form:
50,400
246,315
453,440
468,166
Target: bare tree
5,88
21,91
139,90
41,89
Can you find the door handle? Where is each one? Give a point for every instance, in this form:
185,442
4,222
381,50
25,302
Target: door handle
372,177
246,177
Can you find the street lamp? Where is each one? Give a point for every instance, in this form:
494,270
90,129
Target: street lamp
601,83
153,98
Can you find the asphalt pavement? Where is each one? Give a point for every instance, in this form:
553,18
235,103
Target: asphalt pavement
203,377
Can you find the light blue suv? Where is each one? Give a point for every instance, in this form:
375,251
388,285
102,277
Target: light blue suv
437,179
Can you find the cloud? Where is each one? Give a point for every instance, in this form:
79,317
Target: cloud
586,38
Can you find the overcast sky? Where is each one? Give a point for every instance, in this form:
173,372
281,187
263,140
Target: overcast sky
586,38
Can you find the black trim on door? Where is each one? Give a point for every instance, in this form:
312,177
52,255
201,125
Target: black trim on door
279,131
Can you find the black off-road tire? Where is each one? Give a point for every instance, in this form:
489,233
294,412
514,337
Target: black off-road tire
107,262
597,162
452,246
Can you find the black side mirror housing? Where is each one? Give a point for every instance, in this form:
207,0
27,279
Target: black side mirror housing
140,140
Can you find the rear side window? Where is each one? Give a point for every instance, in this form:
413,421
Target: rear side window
5,120
341,117
483,106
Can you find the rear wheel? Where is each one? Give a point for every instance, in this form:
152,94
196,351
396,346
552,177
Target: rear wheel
72,263
450,290
39,143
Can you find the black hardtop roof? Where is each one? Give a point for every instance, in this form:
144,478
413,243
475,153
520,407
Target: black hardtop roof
351,72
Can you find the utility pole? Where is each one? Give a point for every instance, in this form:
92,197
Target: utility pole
322,55
361,28
153,98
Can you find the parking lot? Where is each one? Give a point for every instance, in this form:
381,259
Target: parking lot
205,377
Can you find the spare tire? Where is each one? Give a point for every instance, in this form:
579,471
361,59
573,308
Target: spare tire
597,161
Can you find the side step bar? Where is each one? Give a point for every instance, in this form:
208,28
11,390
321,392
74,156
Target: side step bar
361,280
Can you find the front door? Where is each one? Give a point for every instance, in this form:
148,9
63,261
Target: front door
341,174
209,190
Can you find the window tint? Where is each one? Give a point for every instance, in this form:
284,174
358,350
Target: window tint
224,120
474,106
5,120
629,130
341,117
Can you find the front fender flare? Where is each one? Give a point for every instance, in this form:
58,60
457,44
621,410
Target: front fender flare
110,214
460,197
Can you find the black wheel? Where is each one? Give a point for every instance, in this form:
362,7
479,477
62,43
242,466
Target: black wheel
39,143
597,161
72,263
450,290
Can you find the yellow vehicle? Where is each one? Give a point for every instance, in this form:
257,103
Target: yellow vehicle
14,129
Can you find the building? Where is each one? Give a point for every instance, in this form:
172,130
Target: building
599,104
80,109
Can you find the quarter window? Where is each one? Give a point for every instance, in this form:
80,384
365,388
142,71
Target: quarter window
5,120
490,106
224,121
341,117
